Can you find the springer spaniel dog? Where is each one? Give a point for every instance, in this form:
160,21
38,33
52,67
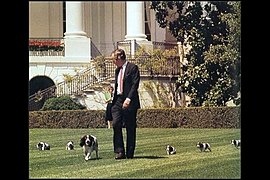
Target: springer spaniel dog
42,146
70,145
236,143
170,149
89,144
203,146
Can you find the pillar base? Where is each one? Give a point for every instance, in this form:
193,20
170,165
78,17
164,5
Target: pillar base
78,34
78,47
138,37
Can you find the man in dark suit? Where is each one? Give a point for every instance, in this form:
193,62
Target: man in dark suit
125,104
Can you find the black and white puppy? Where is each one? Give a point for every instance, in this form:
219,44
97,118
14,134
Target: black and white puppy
89,144
42,146
170,149
203,146
236,143
70,145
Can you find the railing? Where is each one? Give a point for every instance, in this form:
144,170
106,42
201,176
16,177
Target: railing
53,47
131,46
164,45
170,67
94,51
37,100
56,47
84,80
127,46
90,77
80,82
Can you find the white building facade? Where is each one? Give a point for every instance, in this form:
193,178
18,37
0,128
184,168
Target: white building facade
83,27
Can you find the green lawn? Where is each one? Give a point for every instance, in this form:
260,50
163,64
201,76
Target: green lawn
150,161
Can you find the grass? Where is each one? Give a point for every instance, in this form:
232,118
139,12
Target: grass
150,161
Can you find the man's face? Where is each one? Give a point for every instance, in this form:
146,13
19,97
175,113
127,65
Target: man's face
116,60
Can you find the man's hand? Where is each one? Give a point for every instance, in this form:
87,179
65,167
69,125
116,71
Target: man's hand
126,103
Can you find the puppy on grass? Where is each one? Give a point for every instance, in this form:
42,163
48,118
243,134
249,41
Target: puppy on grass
42,146
203,146
170,149
89,144
70,145
236,143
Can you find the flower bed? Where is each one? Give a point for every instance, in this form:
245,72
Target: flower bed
46,45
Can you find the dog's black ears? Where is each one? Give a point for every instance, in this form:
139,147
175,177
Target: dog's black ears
91,138
82,142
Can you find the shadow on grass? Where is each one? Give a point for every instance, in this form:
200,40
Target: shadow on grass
135,157
92,159
148,157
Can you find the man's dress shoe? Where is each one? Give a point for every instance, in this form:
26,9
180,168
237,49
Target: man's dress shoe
120,156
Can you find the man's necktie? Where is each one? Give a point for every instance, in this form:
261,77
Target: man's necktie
121,80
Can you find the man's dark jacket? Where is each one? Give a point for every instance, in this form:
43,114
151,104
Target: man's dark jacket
131,82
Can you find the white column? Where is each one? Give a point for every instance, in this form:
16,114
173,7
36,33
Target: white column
77,44
74,20
135,21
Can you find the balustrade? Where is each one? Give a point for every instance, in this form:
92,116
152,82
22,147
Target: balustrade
89,77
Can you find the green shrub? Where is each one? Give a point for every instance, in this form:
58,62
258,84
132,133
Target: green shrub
191,117
61,103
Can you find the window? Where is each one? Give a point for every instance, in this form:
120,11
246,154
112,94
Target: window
64,17
147,21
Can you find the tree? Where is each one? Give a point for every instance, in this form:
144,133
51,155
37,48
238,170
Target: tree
212,30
